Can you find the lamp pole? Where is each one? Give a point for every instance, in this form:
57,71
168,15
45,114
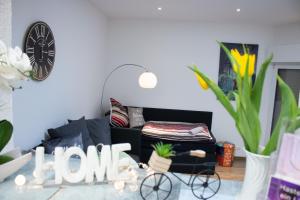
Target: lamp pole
109,75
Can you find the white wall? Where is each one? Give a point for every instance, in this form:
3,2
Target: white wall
5,21
74,86
167,48
286,45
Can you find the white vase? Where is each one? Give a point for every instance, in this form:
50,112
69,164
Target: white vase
256,176
11,167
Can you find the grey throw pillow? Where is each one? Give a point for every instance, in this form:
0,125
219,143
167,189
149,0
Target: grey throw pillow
62,142
99,130
73,129
136,117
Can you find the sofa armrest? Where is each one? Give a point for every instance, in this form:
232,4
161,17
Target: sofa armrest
127,135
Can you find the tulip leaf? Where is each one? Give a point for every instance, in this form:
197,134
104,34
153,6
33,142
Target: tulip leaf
288,112
227,52
253,122
244,129
293,126
218,92
6,130
246,89
237,121
259,82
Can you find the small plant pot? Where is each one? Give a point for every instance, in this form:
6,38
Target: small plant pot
158,163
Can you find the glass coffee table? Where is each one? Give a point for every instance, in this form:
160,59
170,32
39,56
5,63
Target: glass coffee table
101,191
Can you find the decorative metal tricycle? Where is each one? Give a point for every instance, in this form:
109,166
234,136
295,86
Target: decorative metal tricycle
204,184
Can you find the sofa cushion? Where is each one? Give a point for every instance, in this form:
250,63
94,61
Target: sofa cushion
118,114
62,142
99,130
73,129
136,117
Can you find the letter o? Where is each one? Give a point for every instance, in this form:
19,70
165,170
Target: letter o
79,175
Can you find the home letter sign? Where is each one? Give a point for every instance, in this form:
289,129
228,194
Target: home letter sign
91,165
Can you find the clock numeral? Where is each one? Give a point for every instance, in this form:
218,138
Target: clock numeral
47,36
30,50
32,39
40,72
32,60
37,31
43,29
51,53
50,43
49,61
34,69
46,70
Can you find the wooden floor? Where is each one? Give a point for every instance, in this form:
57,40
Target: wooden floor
236,172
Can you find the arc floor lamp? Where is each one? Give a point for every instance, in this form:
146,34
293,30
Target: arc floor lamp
147,79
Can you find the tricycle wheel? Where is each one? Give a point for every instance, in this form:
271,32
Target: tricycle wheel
156,186
206,184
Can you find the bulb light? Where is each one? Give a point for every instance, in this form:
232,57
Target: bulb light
20,180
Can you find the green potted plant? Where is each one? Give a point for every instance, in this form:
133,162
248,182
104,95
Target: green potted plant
246,115
160,159
13,160
15,66
6,130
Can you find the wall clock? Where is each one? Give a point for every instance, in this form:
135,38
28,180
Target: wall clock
39,45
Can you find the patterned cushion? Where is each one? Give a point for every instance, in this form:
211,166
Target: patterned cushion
136,117
118,114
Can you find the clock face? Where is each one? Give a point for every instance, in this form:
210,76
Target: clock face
40,47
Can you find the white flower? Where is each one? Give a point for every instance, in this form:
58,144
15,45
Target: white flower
14,66
3,48
19,60
4,84
10,73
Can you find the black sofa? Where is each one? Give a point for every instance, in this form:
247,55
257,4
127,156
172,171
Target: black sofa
141,144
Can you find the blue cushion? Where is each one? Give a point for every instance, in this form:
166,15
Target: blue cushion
73,129
99,130
62,142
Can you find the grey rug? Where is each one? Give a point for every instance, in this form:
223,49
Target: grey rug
228,191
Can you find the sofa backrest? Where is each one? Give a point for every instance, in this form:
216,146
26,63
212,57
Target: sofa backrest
160,114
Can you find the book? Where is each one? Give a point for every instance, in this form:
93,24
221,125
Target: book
283,189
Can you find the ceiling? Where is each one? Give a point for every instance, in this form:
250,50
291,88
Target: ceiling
265,12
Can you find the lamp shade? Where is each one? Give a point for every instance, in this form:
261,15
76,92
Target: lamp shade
147,80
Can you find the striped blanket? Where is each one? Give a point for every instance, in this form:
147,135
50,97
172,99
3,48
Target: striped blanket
180,131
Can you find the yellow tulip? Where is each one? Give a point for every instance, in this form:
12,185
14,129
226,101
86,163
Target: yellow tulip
242,62
201,82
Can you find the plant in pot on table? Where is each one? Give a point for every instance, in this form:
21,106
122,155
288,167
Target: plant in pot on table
160,159
14,66
6,130
246,115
